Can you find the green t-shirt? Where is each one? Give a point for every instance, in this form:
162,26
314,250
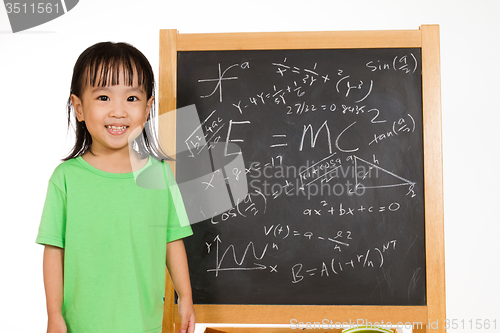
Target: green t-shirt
114,234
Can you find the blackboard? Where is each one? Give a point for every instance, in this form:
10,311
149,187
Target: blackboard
333,149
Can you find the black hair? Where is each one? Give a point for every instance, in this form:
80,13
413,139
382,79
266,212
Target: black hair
100,65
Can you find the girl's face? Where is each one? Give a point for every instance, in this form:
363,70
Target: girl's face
111,113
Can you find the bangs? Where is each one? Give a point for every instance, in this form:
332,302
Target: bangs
107,72
103,64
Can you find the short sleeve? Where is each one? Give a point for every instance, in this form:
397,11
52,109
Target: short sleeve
178,222
52,227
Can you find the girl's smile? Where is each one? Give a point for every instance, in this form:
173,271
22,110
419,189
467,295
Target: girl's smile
116,129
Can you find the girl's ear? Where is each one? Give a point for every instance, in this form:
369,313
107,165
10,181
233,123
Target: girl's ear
77,106
149,105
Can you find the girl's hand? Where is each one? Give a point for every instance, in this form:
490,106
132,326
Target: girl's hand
186,312
56,325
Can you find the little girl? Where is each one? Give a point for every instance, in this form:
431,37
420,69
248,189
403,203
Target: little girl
106,239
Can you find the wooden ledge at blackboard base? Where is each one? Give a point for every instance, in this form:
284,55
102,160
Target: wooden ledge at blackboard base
269,330
282,314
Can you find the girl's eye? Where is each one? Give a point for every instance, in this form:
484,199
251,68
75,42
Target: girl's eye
103,98
132,99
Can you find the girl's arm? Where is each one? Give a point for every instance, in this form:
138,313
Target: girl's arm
53,270
178,268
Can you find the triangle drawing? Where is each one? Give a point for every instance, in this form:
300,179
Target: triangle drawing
369,175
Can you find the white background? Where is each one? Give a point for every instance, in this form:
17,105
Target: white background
35,74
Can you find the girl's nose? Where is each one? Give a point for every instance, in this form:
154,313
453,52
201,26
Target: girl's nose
118,110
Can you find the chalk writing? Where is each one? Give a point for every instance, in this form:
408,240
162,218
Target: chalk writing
239,267
372,258
332,149
218,85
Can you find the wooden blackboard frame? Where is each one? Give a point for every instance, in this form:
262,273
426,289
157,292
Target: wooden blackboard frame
426,38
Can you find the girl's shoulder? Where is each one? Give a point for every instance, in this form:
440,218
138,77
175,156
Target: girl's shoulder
79,168
65,170
68,166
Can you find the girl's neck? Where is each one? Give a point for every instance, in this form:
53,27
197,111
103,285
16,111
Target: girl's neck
116,162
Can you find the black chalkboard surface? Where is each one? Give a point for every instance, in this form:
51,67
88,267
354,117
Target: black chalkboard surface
333,153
